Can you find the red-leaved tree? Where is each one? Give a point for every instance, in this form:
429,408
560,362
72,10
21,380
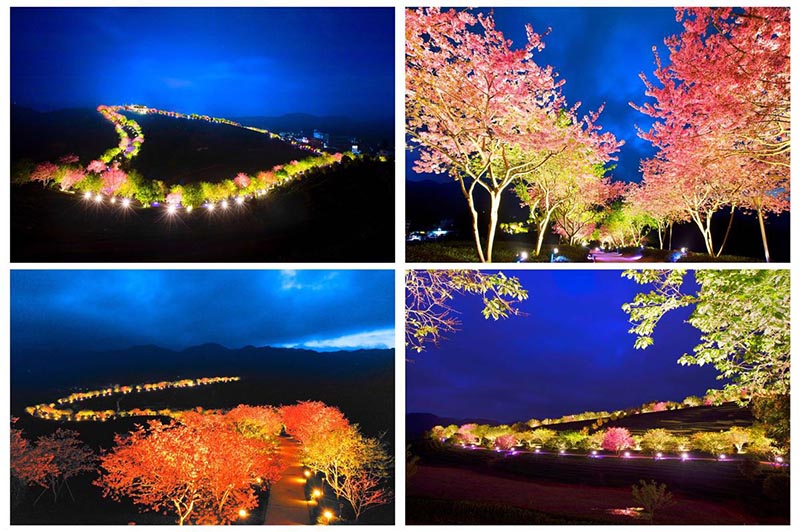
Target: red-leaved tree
201,469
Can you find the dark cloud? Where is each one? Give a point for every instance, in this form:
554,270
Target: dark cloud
114,309
571,352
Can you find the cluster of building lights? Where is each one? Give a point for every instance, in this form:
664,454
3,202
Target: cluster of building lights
55,411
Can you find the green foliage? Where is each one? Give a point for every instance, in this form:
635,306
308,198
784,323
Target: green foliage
21,171
428,294
91,183
659,441
572,440
713,443
192,194
652,497
743,316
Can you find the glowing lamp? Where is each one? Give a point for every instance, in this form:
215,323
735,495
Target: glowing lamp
210,206
627,454
87,195
98,198
562,452
113,200
189,208
684,456
126,202
537,451
306,473
555,250
239,200
171,209
327,514
594,453
523,255
316,493
779,459
224,204
242,513
659,456
683,250
722,457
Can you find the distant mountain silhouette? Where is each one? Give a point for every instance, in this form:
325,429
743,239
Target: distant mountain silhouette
360,382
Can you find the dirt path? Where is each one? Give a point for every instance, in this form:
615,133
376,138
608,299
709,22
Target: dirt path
610,504
287,504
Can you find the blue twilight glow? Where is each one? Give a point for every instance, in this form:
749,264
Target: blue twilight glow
571,352
228,62
102,310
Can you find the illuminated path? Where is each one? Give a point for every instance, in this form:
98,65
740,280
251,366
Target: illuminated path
287,504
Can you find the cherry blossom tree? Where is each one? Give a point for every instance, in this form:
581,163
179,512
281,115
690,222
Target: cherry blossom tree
482,112
617,439
113,178
96,167
70,457
308,419
200,469
30,465
242,180
721,114
44,172
71,177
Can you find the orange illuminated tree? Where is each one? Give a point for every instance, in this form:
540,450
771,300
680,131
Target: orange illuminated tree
201,469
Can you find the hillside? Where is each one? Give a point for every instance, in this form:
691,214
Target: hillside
341,214
683,421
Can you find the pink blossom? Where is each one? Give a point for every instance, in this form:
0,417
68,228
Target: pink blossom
71,177
70,158
242,180
174,198
44,172
113,178
96,167
505,442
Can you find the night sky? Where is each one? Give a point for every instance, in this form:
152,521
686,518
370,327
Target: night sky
222,62
105,310
570,353
600,53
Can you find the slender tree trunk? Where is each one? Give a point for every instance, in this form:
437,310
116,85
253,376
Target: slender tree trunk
763,233
660,238
494,210
468,195
475,230
727,231
671,224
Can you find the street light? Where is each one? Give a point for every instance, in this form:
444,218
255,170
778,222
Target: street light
243,513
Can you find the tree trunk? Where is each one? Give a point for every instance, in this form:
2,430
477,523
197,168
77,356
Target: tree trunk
542,226
660,238
763,233
670,234
475,231
494,209
727,231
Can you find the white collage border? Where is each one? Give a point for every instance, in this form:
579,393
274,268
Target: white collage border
399,265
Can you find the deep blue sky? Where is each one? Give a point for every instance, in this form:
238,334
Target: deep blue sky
569,354
103,310
600,53
218,61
